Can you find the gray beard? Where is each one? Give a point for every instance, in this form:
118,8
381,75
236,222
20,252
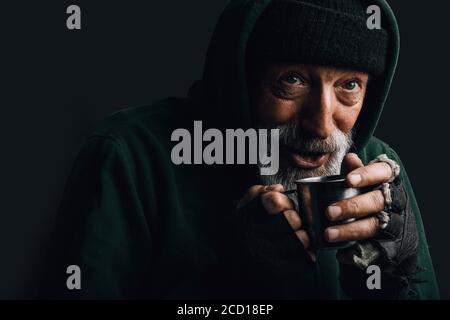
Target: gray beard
337,145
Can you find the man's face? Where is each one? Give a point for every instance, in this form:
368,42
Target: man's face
315,108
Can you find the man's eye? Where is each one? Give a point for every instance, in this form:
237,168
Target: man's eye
350,85
292,79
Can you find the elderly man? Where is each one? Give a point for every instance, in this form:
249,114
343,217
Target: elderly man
139,226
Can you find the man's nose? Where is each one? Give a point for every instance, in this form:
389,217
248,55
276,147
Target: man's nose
317,117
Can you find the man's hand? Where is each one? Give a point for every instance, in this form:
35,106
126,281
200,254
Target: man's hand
274,202
362,207
392,246
274,260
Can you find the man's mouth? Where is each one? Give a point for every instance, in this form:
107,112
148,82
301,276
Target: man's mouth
308,160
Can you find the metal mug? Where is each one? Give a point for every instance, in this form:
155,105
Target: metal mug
314,196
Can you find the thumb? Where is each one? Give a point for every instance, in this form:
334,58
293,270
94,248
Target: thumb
351,162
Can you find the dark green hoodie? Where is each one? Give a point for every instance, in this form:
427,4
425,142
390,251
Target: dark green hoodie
141,227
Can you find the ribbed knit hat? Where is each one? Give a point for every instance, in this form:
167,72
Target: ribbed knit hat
322,32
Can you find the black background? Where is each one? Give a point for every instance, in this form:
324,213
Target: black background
57,85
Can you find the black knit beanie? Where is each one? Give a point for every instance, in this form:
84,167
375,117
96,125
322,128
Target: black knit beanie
321,32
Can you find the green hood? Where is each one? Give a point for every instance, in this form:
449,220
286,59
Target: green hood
224,78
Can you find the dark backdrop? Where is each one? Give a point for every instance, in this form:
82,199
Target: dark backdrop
57,85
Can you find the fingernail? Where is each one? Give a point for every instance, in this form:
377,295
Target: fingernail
332,234
355,179
334,212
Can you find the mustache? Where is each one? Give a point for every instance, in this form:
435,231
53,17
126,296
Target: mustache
293,137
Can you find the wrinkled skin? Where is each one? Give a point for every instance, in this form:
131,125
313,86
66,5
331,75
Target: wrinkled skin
320,100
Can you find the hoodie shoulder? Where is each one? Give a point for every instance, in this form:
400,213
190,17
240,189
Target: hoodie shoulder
154,120
376,147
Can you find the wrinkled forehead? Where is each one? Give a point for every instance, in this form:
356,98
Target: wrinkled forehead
324,71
